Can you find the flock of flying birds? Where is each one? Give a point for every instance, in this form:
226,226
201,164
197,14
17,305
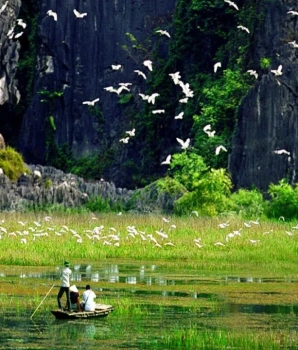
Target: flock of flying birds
29,233
148,64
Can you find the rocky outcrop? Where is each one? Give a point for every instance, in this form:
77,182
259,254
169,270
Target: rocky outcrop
75,59
9,52
265,145
47,187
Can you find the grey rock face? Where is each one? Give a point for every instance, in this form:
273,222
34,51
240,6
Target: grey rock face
9,52
267,118
46,186
74,61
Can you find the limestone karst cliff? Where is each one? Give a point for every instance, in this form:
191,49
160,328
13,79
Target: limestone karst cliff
74,64
264,149
75,58
9,52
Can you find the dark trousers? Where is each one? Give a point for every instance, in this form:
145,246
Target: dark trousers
60,294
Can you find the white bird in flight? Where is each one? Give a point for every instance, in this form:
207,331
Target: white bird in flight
3,7
116,66
53,14
18,35
282,151
21,23
124,140
295,13
184,144
216,66
243,28
183,100
277,71
253,72
207,130
163,32
175,77
158,111
148,64
151,98
78,14
140,73
231,3
91,103
167,161
220,148
131,132
179,116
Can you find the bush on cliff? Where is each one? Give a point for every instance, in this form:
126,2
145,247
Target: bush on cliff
12,163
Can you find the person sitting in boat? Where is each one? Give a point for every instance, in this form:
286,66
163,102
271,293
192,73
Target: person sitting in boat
74,298
88,303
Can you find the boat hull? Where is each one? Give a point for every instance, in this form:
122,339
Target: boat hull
100,311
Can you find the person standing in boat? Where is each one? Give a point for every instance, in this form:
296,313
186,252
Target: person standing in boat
65,276
88,303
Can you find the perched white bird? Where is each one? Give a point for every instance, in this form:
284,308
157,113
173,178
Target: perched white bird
243,28
158,111
131,132
53,14
184,144
219,243
253,72
282,151
140,73
180,115
295,13
78,14
277,71
216,66
175,77
124,140
116,66
151,98
163,32
3,7
220,148
167,161
21,23
231,3
183,100
148,64
91,103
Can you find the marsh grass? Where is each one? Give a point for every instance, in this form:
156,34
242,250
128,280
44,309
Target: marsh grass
224,339
261,247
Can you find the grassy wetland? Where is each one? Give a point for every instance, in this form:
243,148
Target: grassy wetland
183,283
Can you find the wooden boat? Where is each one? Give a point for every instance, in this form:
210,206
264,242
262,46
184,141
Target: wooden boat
101,310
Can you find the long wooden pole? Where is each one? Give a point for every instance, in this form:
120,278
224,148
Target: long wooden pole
42,300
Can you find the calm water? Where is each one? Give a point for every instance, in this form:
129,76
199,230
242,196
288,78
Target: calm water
148,328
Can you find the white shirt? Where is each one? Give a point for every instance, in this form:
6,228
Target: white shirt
65,275
88,297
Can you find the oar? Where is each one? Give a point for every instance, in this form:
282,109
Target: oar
42,300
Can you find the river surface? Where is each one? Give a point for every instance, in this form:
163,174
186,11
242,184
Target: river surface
165,299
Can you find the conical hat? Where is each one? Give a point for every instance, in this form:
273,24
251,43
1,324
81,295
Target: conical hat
73,288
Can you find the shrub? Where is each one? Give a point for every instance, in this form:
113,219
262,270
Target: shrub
247,203
284,201
12,163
